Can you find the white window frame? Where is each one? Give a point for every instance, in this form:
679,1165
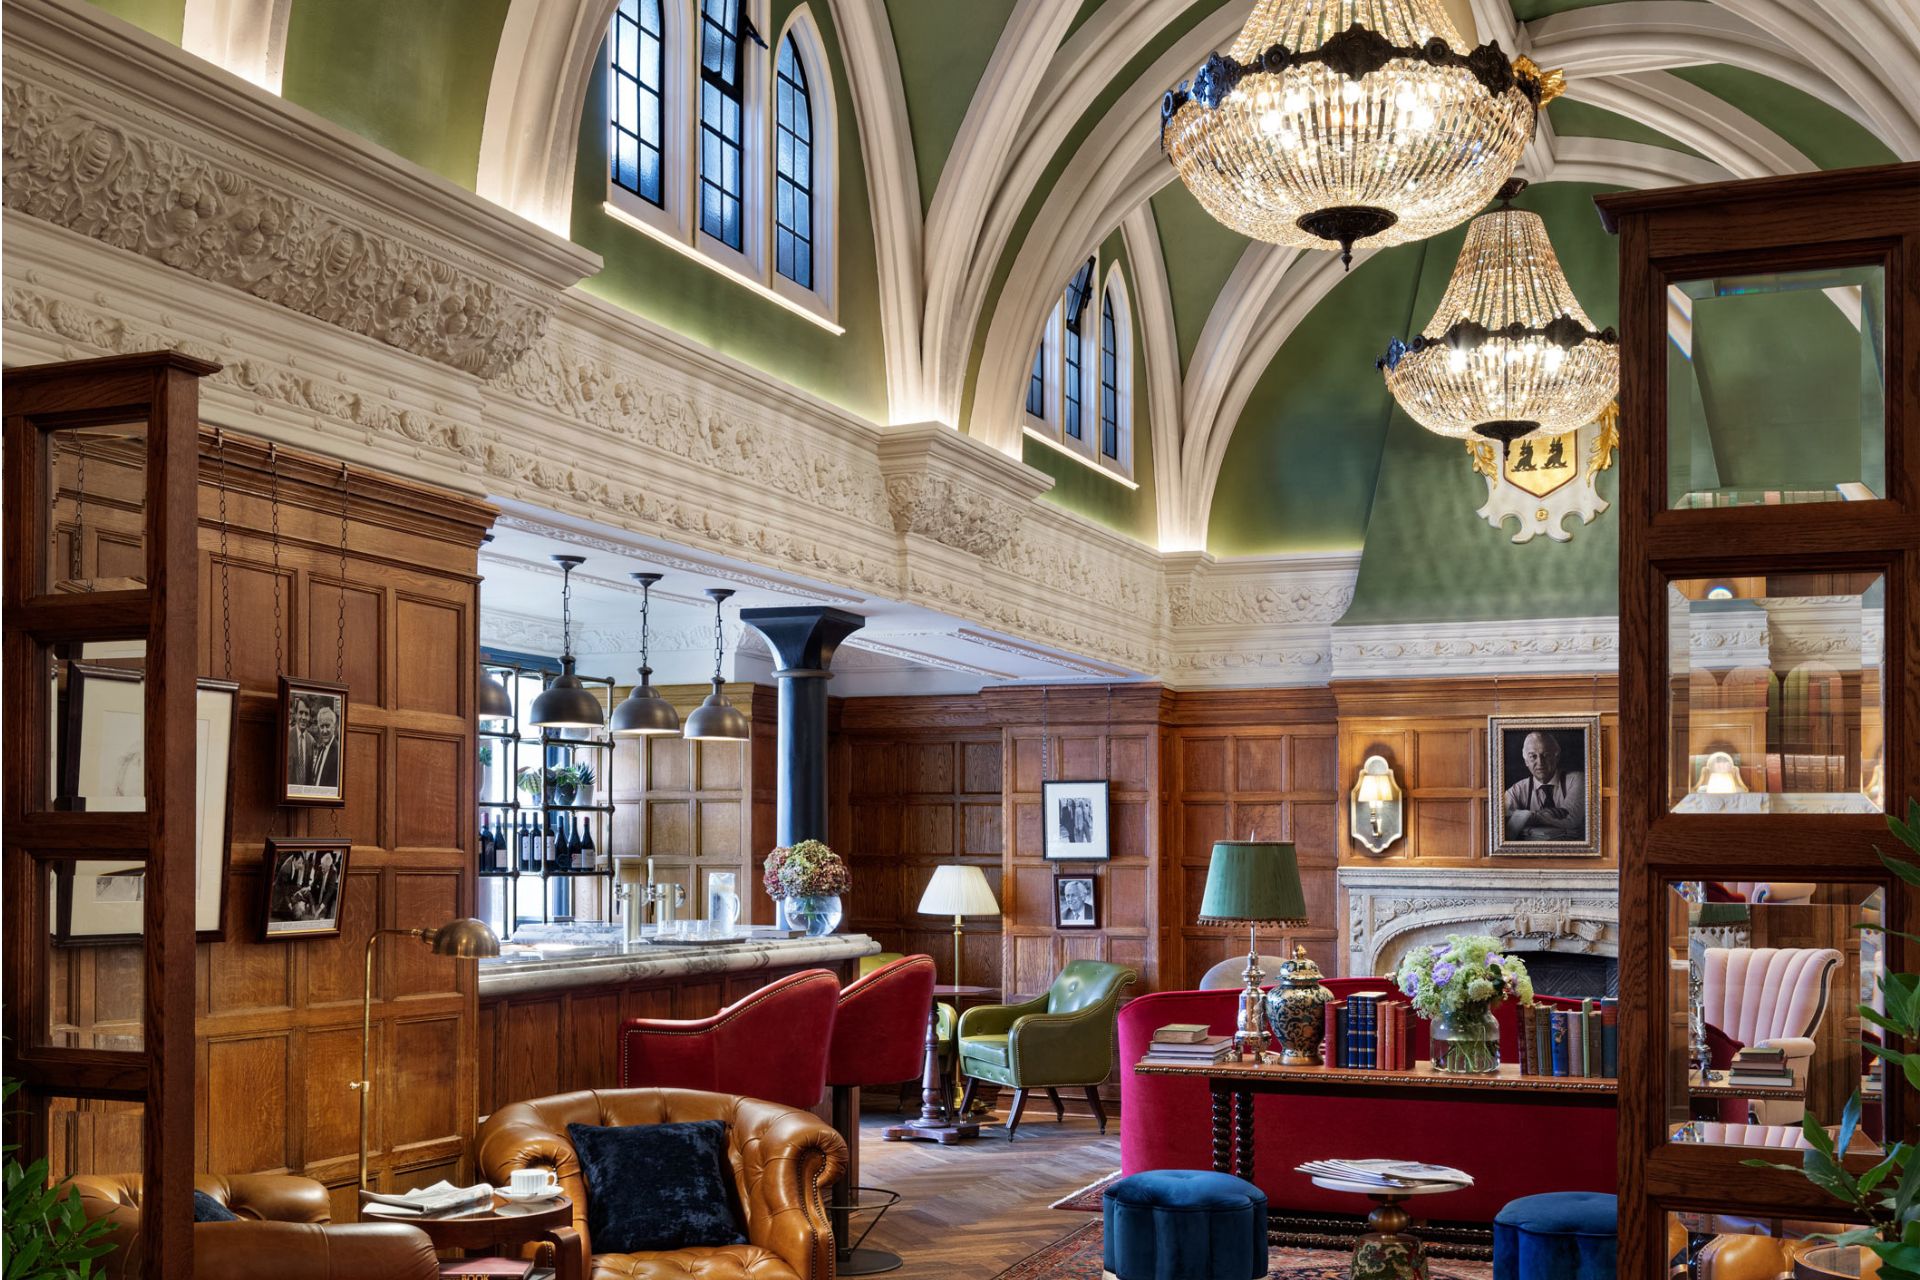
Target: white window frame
677,224
1050,429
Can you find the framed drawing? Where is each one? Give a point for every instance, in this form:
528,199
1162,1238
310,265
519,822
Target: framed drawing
1543,778
1076,901
312,751
103,770
1073,817
306,881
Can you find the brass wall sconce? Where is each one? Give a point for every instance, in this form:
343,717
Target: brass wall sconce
1377,812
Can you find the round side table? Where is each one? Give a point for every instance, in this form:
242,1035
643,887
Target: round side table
1388,1251
505,1226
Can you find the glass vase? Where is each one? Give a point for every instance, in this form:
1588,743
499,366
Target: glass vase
814,914
1466,1043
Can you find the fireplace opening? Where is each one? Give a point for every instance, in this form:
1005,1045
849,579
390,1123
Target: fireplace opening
1581,976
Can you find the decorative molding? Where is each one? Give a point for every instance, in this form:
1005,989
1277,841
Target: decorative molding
1254,620
907,654
1393,909
1079,667
1522,646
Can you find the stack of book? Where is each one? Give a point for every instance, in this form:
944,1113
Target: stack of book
1369,1031
1571,1042
1188,1044
1760,1065
1386,1173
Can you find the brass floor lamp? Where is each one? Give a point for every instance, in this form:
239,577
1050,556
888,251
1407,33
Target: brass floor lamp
463,939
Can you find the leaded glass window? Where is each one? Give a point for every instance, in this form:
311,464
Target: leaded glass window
1109,381
1079,289
637,147
792,169
722,122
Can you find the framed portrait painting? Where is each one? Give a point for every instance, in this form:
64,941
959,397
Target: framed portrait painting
1073,818
1544,779
102,769
1076,901
312,743
306,880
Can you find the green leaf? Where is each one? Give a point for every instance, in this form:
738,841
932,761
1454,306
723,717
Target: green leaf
1899,866
1817,1136
1849,1121
1873,1177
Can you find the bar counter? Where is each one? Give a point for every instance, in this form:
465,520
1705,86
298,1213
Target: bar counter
552,1003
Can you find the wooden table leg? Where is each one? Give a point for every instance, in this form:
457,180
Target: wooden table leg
1388,1251
937,1120
568,1263
1243,1147
1222,1128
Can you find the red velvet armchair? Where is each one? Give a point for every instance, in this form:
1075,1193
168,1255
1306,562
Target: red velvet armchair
1511,1149
771,1045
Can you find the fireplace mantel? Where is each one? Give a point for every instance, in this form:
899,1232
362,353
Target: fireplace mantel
1392,909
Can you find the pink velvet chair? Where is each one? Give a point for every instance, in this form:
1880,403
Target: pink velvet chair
1769,996
772,1045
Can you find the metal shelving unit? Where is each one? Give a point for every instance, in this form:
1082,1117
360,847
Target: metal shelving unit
545,818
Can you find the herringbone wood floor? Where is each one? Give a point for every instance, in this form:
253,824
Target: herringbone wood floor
971,1210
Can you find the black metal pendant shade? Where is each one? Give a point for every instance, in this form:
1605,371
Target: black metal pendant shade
644,714
717,717
494,701
566,703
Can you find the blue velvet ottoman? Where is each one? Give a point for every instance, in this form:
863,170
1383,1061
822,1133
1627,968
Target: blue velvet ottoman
1561,1235
1184,1224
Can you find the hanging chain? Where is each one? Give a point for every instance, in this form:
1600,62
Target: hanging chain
646,601
719,644
566,611
1046,739
273,469
226,590
340,613
53,503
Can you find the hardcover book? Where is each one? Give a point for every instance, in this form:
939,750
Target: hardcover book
1589,1050
1543,1040
1180,1033
1560,1042
1576,1043
1610,1039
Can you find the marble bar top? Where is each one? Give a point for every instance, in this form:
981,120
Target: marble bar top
613,962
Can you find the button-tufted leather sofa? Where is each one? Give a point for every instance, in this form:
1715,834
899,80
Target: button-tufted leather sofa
785,1161
285,1232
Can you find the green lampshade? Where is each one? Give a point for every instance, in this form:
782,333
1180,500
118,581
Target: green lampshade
1253,882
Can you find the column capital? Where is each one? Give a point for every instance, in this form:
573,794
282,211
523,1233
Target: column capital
803,637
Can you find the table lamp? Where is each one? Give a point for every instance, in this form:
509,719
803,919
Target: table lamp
1253,882
463,939
958,891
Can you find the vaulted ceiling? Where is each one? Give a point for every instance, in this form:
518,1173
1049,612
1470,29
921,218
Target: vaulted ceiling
990,145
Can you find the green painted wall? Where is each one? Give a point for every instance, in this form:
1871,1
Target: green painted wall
689,297
944,48
163,18
1200,255
1528,10
1081,489
410,76
1829,138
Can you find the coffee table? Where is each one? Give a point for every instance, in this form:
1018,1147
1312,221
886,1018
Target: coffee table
1388,1251
503,1226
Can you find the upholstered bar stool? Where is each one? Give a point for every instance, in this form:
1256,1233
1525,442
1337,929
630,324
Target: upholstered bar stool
879,1037
770,1045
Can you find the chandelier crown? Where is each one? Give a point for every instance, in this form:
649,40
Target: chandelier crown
1350,120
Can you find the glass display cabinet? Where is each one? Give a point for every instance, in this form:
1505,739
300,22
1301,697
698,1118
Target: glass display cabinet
1769,690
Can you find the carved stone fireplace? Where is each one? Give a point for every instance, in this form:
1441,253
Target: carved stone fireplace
1569,914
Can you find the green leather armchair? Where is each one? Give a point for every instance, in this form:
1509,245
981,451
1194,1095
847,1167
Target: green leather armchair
942,1026
1058,1040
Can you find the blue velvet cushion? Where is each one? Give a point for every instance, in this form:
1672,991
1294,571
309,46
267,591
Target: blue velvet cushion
1184,1224
1561,1235
207,1209
654,1187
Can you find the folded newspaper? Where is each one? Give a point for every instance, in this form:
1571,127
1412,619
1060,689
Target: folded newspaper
1387,1173
441,1197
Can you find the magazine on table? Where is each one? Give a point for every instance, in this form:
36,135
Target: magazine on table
441,1197
1387,1173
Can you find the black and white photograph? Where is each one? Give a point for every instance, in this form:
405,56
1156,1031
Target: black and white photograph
1076,902
312,742
102,769
1074,820
306,880
1544,778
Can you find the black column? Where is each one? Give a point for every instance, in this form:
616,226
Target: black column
803,641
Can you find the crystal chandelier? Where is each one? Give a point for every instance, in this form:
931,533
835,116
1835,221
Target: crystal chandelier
1348,120
1509,353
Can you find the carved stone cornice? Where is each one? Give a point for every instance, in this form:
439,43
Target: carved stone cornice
958,492
1530,646
1254,620
197,183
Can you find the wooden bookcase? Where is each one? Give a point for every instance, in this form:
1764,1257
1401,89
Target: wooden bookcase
1866,219
107,563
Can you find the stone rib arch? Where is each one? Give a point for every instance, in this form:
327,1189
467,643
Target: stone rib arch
247,37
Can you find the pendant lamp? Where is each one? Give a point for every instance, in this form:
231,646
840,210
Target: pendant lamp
1509,353
494,702
566,703
1340,121
644,713
717,718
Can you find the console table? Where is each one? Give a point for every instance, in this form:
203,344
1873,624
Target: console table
1233,1084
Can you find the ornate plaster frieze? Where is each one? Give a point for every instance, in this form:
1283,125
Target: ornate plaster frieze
195,183
1254,620
907,653
956,491
1527,646
1078,667
1393,909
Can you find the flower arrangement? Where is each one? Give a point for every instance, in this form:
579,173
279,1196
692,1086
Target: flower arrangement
1456,984
807,869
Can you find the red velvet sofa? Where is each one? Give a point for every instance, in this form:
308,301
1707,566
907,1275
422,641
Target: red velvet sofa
1511,1149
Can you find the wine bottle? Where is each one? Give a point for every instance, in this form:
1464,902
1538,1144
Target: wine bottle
547,841
486,844
563,845
590,859
526,844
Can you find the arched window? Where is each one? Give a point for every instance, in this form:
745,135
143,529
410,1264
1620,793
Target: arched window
792,168
638,109
1116,375
1037,383
1073,371
1109,381
1080,396
722,122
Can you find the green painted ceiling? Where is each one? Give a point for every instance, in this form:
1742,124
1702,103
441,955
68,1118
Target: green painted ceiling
943,51
163,18
1829,138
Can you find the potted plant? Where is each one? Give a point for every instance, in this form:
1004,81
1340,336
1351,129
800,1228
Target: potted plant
807,881
1886,1196
530,781
1456,985
572,782
49,1236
